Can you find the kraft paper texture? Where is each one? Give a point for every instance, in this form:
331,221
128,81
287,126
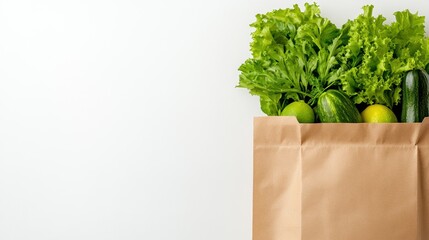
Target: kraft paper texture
340,181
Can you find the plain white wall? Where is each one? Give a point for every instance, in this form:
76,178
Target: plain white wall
120,119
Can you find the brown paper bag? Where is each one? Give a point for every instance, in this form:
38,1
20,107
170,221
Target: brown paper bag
340,181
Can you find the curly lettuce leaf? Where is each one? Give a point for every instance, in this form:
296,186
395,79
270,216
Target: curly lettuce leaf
294,57
409,37
378,55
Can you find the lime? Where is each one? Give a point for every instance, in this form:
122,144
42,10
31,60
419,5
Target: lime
301,110
378,114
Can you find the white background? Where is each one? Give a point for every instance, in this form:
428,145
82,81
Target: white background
120,119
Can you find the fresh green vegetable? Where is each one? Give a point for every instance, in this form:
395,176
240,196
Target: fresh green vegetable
423,95
334,106
410,99
410,40
298,55
415,101
294,57
377,56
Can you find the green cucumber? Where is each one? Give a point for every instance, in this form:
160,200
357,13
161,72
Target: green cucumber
423,95
334,106
415,97
410,97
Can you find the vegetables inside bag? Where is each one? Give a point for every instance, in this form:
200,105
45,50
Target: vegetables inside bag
340,181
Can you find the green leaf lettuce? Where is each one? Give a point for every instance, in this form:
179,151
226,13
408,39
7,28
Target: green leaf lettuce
294,57
378,55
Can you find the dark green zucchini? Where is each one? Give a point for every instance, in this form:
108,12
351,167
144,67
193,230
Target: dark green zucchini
334,106
415,96
423,95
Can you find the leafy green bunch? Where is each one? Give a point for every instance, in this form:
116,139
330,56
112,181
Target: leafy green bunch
377,56
294,57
